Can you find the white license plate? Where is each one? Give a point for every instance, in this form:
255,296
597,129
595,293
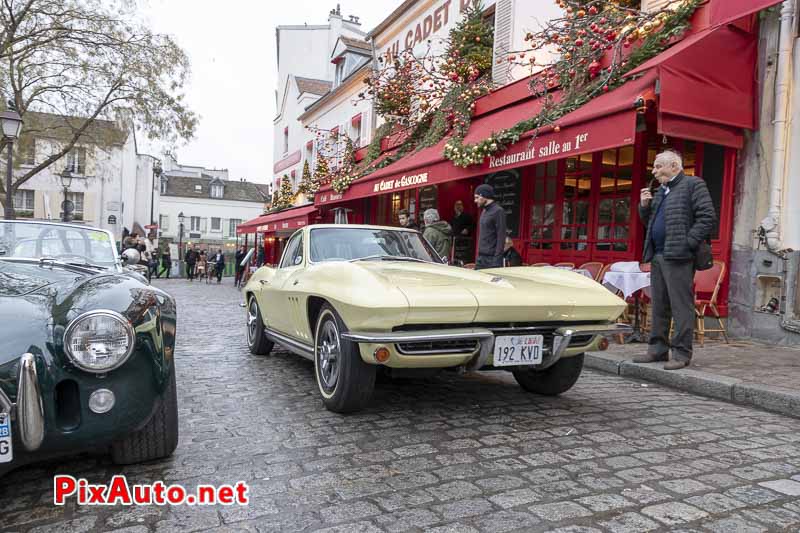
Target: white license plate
6,451
518,350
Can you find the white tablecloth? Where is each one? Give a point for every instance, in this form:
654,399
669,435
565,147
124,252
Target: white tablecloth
627,282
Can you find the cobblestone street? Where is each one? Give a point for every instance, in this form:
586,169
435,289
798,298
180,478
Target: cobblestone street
457,453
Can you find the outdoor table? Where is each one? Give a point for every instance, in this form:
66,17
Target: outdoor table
628,278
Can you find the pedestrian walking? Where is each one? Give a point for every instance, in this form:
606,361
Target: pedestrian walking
491,229
166,262
679,220
200,268
191,261
239,257
438,232
219,264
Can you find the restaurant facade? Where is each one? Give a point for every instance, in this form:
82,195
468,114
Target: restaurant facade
571,191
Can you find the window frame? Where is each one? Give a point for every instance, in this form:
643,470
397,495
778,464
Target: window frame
288,250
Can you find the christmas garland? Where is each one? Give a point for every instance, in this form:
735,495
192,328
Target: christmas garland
590,31
579,78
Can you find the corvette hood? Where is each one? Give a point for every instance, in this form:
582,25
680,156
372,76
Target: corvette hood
496,295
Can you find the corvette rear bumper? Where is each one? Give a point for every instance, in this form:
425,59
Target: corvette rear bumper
437,348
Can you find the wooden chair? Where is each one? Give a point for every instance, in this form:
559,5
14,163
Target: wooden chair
565,265
594,267
707,284
541,264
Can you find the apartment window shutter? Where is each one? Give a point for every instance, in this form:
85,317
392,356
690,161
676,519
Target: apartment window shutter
503,29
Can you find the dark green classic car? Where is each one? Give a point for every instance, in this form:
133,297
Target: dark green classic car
86,349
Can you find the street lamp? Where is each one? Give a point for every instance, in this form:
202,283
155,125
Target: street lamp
11,124
66,207
181,219
157,170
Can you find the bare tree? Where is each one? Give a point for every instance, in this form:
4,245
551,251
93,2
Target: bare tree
83,61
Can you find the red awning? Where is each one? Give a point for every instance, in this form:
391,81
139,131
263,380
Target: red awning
288,220
608,121
726,11
716,67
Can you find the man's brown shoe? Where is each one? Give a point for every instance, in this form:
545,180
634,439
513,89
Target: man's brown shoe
676,364
649,358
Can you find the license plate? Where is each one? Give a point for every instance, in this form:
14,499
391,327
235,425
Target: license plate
518,350
6,451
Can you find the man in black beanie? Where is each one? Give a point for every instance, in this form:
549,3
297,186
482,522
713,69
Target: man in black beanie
492,229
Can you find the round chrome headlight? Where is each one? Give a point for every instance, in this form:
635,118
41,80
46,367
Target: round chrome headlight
99,341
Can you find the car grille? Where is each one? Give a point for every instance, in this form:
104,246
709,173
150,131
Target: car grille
544,329
461,346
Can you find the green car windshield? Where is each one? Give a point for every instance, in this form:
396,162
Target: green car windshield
350,244
68,244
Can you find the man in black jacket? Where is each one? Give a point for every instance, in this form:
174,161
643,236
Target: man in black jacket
492,229
679,218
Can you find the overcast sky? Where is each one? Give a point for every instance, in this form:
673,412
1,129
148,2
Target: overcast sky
232,49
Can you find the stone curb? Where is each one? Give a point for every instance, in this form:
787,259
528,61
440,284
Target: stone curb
702,383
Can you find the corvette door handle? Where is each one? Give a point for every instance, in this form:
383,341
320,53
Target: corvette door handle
295,282
264,282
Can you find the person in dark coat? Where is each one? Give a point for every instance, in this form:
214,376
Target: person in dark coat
239,257
166,263
679,218
219,264
511,257
191,262
492,229
405,220
462,222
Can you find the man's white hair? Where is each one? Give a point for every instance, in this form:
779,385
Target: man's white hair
671,156
430,216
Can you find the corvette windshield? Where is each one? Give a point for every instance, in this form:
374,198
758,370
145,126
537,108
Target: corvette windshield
349,244
68,244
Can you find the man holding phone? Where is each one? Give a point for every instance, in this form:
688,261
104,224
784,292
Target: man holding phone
679,217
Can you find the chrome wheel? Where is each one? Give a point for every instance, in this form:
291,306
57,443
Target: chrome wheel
252,321
329,350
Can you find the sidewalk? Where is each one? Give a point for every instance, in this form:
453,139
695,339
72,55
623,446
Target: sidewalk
744,372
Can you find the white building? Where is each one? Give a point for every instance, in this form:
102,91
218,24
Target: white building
419,25
212,204
105,189
305,72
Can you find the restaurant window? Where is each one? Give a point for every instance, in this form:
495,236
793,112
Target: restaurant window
195,223
543,207
233,223
614,201
699,159
216,224
576,204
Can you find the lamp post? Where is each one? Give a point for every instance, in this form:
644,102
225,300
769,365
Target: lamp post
66,206
181,219
157,170
11,124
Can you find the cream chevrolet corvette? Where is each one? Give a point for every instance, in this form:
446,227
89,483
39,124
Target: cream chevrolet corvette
355,299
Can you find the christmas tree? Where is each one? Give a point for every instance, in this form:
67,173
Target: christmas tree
469,52
322,172
308,185
285,195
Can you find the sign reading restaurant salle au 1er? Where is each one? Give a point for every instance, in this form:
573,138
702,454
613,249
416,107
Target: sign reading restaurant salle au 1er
431,20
